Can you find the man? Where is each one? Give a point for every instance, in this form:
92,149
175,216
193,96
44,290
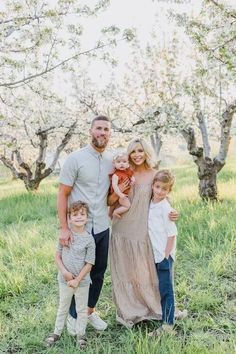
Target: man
85,177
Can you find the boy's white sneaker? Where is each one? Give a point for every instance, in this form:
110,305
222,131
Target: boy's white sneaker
163,329
181,315
97,322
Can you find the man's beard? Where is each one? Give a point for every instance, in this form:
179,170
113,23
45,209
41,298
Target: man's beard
98,144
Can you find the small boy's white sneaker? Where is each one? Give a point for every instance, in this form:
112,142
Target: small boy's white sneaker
163,329
180,315
97,322
70,325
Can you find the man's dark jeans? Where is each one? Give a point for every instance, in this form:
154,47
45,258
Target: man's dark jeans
97,272
164,272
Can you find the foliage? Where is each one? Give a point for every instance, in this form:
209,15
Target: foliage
37,37
41,43
214,33
204,275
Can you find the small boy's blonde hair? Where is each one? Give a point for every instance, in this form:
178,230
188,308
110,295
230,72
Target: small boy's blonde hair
77,206
164,176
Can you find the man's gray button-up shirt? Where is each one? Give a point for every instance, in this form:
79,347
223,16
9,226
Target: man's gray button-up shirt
87,171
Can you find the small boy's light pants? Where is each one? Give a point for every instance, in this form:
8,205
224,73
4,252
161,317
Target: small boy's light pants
81,300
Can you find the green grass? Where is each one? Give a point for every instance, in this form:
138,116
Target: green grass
205,274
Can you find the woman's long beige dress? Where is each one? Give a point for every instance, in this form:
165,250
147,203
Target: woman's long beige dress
133,273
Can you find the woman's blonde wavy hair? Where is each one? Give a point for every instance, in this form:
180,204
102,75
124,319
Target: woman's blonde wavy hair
151,158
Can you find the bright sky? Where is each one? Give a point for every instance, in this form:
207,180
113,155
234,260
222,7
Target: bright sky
142,15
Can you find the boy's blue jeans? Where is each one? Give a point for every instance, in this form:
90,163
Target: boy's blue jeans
164,272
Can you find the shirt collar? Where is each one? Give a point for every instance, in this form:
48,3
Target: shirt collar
154,205
93,151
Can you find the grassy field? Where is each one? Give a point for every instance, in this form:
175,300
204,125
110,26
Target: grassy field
205,274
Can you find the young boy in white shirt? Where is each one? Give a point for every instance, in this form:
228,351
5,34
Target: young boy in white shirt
162,233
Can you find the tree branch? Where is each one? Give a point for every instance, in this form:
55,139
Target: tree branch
225,134
59,149
9,164
204,133
223,44
156,142
43,143
49,69
197,152
27,133
222,8
26,18
22,163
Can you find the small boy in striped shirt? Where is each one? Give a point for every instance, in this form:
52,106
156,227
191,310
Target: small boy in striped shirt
74,264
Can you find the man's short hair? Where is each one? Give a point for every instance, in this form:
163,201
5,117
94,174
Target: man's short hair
77,206
100,117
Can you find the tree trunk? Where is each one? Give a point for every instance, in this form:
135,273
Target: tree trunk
207,174
156,142
32,185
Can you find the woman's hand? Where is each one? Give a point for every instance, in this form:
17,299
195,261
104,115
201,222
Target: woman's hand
113,198
124,185
174,215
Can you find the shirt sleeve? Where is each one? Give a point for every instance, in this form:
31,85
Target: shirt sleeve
90,252
170,226
69,171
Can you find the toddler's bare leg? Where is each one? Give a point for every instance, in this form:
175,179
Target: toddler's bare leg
124,206
112,208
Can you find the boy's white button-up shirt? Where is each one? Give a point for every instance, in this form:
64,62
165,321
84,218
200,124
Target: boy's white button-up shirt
160,227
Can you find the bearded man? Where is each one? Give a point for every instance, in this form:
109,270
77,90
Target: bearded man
85,176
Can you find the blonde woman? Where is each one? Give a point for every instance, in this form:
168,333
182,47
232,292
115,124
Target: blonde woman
134,279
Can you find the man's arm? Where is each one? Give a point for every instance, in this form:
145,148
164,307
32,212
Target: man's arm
62,202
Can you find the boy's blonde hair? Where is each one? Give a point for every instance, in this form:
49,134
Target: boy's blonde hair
77,206
164,176
147,148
